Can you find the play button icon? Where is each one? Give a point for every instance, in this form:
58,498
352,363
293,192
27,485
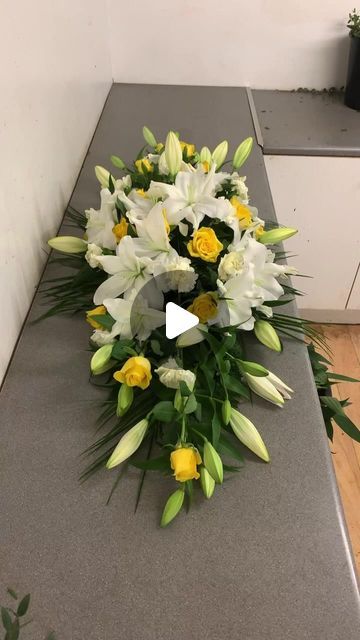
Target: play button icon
178,320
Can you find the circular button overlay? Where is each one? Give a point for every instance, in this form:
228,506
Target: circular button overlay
150,309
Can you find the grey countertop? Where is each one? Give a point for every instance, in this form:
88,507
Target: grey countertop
307,123
266,559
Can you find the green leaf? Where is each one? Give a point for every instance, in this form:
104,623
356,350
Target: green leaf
226,447
209,377
191,404
329,429
122,349
51,636
215,426
155,464
184,389
105,320
232,384
23,606
155,346
12,593
338,376
333,404
348,426
164,411
6,619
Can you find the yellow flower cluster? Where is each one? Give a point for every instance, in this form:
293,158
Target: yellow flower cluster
184,463
204,307
205,245
136,372
120,230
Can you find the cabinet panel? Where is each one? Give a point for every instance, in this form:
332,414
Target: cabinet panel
321,197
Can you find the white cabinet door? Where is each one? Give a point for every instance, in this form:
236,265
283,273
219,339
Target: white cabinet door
321,197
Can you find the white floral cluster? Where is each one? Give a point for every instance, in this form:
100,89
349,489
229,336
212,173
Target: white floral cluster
248,276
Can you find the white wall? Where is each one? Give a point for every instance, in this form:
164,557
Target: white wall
321,197
269,44
55,74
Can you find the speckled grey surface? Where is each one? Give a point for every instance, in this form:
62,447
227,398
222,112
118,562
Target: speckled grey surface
313,124
267,558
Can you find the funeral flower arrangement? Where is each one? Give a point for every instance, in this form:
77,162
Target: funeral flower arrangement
178,227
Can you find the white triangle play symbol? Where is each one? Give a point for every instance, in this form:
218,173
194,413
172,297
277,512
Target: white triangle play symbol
178,320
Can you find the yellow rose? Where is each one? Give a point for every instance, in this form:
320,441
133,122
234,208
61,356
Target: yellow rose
242,213
205,245
139,164
204,307
136,372
120,230
98,311
184,463
189,148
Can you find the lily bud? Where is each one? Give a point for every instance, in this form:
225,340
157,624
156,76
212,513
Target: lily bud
128,444
253,368
172,507
242,153
149,137
191,336
68,244
213,463
226,411
125,399
101,359
207,483
219,154
265,389
247,433
280,386
117,162
274,236
267,335
178,401
205,155
173,153
103,175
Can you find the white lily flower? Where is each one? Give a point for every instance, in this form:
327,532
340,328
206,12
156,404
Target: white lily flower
92,254
240,295
152,234
126,271
133,317
192,197
100,223
265,271
176,271
170,375
137,204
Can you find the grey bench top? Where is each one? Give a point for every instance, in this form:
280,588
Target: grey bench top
307,123
267,558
